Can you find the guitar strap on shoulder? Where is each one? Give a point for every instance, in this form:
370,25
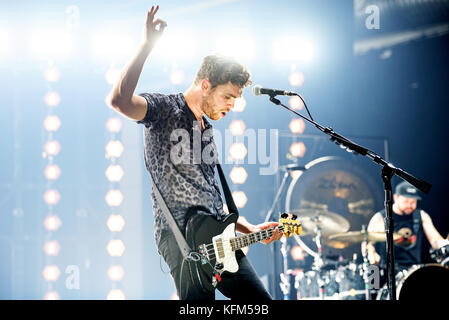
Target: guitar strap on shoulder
227,192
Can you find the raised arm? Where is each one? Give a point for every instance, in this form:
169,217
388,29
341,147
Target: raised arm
122,97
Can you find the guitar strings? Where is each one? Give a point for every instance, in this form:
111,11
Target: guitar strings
237,240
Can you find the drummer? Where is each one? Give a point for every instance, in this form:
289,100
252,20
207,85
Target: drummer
411,223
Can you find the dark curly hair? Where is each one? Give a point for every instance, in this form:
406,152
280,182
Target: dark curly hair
221,70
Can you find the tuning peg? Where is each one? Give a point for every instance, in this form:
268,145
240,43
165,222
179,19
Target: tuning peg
284,215
294,217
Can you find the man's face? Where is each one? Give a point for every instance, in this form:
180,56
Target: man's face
404,204
218,101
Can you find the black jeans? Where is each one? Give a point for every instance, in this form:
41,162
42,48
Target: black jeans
241,285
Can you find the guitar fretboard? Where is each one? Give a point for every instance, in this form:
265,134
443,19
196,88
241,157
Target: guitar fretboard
248,239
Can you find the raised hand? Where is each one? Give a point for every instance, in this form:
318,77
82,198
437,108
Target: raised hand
153,27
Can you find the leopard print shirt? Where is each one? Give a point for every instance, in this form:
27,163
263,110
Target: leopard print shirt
183,178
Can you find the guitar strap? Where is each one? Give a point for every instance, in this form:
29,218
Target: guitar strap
227,192
182,243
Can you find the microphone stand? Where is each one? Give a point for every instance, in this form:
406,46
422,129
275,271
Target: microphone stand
388,171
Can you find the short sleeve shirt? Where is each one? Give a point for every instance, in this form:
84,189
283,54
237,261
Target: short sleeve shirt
180,158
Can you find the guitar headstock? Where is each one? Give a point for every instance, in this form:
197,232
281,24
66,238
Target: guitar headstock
290,224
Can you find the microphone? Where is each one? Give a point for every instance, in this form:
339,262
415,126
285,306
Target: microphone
258,90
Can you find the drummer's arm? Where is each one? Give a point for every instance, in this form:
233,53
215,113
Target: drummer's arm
376,224
432,234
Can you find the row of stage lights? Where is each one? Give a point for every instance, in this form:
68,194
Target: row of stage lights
52,173
114,199
52,43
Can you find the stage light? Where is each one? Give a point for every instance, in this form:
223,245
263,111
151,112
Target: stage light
52,147
50,43
52,197
52,123
295,174
297,126
296,79
177,77
238,175
51,248
51,273
52,74
116,273
116,248
237,127
112,45
114,173
240,198
112,75
176,44
51,295
298,149
238,151
297,253
52,99
114,124
293,49
239,46
116,294
114,198
296,102
52,223
52,172
114,149
4,42
115,223
239,104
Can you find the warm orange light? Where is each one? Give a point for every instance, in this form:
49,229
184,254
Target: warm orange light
114,198
297,126
238,175
237,127
298,149
240,198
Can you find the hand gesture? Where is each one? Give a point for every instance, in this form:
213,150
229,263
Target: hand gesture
152,33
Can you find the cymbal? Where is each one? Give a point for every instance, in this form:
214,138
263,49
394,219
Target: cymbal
359,236
328,222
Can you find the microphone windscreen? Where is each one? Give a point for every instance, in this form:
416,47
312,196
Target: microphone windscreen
256,90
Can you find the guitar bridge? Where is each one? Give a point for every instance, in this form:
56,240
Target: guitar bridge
204,254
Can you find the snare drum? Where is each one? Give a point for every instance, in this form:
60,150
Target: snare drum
429,281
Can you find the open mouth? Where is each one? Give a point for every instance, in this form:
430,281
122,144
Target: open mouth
223,114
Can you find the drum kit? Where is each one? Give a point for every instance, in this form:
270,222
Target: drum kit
351,280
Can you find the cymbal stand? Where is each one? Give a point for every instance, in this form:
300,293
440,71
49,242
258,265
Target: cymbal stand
365,262
285,275
318,263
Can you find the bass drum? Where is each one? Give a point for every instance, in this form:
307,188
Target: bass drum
424,282
341,186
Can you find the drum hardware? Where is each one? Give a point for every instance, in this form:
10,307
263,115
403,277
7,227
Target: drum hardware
327,222
423,282
359,236
440,255
363,237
